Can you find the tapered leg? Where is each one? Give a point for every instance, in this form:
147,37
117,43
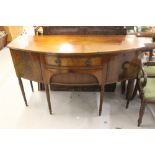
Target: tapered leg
41,86
129,91
48,98
141,113
123,86
101,100
127,88
31,86
135,91
38,86
22,90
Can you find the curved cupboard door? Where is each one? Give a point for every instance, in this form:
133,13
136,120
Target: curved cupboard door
27,65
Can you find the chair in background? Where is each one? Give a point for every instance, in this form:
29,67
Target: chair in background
146,86
149,68
129,87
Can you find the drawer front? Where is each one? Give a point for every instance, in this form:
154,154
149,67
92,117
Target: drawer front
73,61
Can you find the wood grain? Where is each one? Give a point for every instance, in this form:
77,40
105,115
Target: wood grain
79,44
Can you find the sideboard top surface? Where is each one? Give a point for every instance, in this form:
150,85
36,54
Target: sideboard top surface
79,44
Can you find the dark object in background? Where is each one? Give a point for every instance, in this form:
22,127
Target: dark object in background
95,88
84,30
3,38
3,41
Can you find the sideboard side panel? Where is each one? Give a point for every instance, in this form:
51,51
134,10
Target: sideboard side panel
123,66
27,65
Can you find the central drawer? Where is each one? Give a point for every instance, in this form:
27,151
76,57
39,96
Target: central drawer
76,61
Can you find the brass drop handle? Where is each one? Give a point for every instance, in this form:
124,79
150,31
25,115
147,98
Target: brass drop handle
58,61
125,65
88,62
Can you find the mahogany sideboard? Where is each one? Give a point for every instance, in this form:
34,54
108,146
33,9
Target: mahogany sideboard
62,59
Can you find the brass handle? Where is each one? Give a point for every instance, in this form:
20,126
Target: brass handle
58,61
125,65
88,62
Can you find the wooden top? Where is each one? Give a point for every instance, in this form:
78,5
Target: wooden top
150,34
79,44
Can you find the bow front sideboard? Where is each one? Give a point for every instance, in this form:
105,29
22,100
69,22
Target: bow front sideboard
71,59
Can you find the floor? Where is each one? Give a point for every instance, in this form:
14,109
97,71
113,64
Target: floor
70,109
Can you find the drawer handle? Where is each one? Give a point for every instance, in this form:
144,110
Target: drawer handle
125,65
58,61
88,62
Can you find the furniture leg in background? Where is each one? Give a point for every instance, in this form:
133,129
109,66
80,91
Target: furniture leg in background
123,86
41,86
130,89
31,86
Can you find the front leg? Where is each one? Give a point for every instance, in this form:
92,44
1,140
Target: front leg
48,98
22,89
101,99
